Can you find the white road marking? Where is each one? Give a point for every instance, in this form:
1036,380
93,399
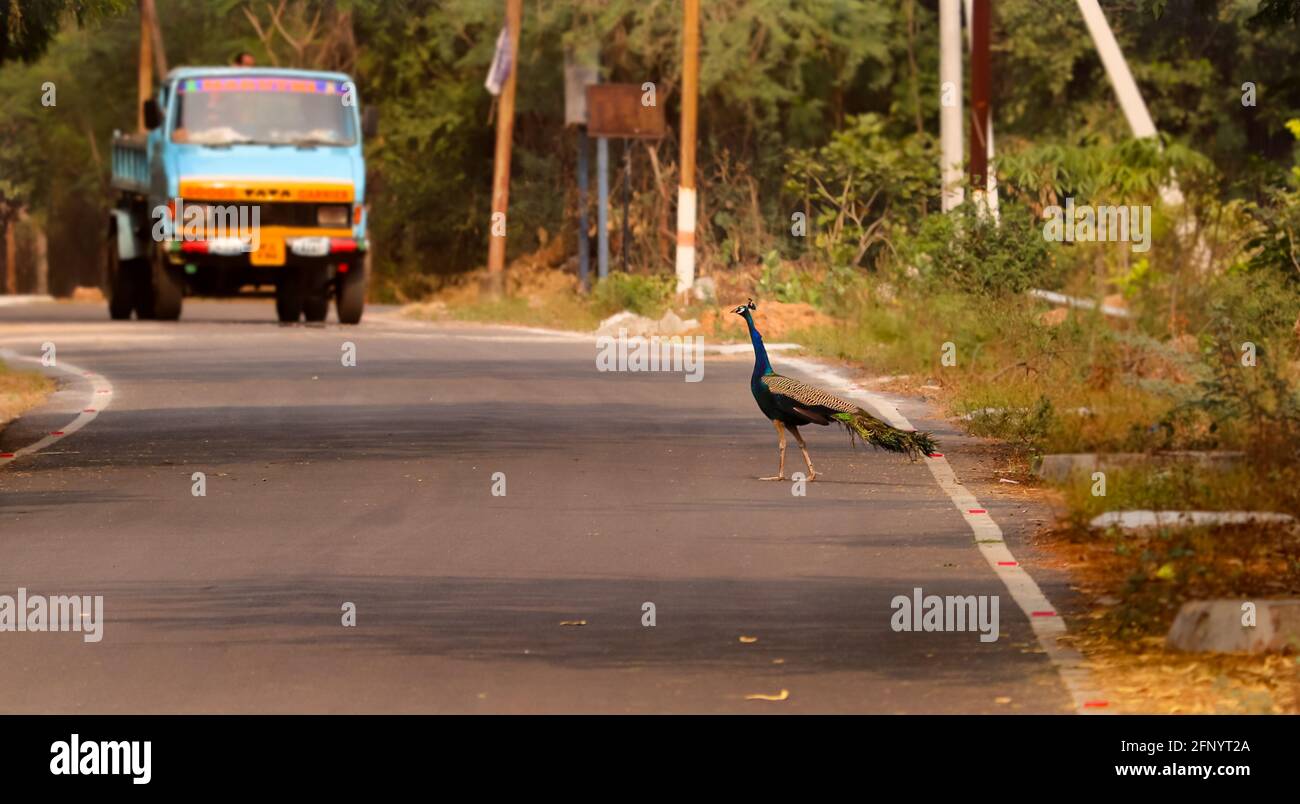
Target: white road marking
99,397
1043,617
14,301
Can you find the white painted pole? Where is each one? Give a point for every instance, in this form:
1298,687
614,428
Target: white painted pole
950,102
1121,80
1126,90
690,108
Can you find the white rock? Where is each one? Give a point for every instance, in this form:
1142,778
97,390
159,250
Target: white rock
631,322
705,289
1136,520
671,324
1216,625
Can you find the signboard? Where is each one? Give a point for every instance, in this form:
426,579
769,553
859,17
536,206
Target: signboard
624,111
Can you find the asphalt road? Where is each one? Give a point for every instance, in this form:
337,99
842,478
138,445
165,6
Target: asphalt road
372,485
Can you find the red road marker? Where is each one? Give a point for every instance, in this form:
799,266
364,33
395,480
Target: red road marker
1043,613
936,454
56,432
1095,704
6,454
88,410
976,511
1008,563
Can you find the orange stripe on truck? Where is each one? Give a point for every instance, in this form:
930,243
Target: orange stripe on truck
250,190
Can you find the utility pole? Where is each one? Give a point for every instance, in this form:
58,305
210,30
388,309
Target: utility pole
145,71
501,160
584,245
150,12
686,182
602,207
981,112
950,102
1121,80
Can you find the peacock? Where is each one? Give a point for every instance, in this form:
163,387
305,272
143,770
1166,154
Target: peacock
791,404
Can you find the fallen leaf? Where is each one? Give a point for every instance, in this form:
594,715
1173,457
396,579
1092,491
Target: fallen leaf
573,622
758,696
1002,699
748,639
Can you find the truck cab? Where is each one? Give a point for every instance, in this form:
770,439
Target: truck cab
247,179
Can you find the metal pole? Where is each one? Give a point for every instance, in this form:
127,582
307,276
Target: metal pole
602,207
584,244
950,102
627,196
686,185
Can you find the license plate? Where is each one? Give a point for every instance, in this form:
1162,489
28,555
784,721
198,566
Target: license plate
310,246
269,252
227,247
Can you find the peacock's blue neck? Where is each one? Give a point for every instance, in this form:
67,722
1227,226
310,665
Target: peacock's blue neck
761,364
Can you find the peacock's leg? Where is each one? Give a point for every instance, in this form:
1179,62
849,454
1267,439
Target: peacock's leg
780,434
812,473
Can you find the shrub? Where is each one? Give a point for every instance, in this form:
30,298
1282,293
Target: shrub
967,250
644,295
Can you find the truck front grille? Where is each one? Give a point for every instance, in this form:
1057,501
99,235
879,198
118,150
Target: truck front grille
273,214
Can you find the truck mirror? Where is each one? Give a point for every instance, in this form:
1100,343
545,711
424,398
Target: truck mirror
369,121
152,114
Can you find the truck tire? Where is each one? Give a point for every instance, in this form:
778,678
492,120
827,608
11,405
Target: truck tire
288,297
315,307
350,300
123,279
316,295
168,289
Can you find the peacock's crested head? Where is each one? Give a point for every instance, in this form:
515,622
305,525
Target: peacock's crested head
745,308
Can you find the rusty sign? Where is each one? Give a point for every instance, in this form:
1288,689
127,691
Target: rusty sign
624,111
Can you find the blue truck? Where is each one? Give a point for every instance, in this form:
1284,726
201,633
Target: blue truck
247,179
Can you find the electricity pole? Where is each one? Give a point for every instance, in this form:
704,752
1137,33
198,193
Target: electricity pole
686,183
981,112
144,75
950,102
501,160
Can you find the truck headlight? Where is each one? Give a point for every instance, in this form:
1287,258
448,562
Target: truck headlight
333,215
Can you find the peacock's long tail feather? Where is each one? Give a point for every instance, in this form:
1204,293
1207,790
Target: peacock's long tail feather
886,436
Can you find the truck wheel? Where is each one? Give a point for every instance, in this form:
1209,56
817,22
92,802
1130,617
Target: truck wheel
288,297
350,299
122,279
168,289
316,296
315,307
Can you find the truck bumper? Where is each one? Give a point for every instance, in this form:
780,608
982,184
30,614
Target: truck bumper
214,267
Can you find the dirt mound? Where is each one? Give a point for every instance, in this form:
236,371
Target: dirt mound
776,320
533,276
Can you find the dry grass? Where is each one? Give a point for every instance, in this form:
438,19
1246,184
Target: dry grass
19,391
1135,584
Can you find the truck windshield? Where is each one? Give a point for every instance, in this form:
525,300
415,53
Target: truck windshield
265,111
